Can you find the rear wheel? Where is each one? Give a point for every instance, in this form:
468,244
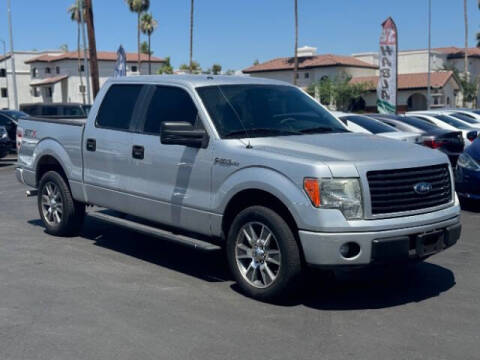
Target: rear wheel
60,213
263,254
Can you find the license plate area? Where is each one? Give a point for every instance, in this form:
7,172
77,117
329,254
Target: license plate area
429,243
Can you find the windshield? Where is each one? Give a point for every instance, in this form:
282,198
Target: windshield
374,126
240,111
465,118
419,123
452,121
15,114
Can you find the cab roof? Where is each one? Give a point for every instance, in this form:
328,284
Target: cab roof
195,81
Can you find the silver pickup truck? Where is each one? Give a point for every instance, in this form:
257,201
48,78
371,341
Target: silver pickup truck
252,164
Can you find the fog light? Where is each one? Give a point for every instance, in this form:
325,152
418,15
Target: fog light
349,250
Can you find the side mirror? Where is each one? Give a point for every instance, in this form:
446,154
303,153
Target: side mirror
183,133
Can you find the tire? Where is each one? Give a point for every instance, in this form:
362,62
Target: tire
69,213
253,267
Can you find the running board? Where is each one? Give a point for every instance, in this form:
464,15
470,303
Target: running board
155,232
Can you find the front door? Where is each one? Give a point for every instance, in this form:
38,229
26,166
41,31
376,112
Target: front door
174,179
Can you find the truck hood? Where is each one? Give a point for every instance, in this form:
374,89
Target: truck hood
341,150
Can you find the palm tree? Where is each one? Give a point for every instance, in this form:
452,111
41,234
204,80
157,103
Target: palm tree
295,66
191,37
74,11
148,25
138,6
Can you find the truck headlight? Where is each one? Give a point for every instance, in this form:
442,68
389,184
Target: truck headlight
467,162
342,194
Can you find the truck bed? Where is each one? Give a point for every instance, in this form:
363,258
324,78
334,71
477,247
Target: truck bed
62,135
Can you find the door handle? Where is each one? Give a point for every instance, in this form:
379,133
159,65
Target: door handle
138,152
91,145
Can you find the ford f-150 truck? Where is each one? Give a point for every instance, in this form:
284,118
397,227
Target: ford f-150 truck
255,165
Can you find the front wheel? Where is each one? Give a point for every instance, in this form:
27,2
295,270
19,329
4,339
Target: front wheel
60,213
263,254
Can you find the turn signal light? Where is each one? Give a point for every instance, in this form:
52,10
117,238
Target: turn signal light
312,188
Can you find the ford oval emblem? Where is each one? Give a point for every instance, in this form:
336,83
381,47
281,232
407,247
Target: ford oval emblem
422,188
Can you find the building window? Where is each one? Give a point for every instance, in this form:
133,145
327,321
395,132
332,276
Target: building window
34,72
324,78
306,75
134,68
4,92
81,89
35,92
82,68
297,75
49,91
3,73
47,70
448,100
57,69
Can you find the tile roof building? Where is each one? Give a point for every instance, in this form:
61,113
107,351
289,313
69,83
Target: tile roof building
412,66
54,76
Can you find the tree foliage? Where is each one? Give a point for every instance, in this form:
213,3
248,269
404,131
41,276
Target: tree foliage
216,69
195,68
339,92
166,68
468,86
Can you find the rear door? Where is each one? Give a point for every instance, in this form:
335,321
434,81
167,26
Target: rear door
172,181
107,148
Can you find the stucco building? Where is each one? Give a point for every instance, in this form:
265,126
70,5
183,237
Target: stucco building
54,76
363,67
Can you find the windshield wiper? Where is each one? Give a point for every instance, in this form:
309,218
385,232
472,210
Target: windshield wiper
261,132
321,129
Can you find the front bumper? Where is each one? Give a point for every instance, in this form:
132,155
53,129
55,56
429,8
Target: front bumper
323,249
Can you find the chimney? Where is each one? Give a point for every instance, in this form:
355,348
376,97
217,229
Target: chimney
306,51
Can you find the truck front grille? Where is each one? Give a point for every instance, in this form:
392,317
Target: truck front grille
394,191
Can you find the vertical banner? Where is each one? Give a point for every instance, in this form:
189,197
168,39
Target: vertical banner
388,60
121,64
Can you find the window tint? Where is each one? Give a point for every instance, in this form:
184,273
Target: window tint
374,126
169,104
419,123
265,110
4,121
452,121
467,118
72,111
50,111
117,107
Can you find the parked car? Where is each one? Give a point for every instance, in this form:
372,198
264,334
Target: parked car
9,120
364,124
449,142
251,163
471,113
5,144
56,110
467,176
448,122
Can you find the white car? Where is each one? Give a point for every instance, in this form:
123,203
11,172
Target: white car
364,124
448,122
471,113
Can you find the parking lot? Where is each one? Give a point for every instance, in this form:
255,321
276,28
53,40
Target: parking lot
115,294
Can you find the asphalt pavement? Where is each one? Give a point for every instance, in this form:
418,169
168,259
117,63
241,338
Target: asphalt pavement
114,294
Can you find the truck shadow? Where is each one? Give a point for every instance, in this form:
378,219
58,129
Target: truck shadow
370,288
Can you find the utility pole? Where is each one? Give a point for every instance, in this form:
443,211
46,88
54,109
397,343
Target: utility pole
92,48
12,57
85,61
295,60
191,37
429,79
6,70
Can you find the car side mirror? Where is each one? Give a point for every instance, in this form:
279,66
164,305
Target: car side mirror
183,133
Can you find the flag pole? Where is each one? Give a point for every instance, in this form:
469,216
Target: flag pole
12,57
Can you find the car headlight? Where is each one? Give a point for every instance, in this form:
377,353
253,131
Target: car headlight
342,194
467,162
3,132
